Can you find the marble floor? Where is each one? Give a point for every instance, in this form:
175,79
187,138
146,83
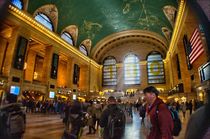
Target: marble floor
50,126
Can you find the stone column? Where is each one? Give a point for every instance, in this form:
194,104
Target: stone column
47,64
70,72
10,54
29,71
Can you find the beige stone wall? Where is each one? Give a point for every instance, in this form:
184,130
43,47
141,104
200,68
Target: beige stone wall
138,48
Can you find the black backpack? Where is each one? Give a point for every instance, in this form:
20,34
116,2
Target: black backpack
116,123
176,120
12,121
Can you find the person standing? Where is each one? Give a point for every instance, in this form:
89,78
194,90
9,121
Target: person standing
158,120
98,112
184,108
142,111
190,106
66,118
91,118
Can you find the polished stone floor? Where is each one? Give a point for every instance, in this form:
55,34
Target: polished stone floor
49,126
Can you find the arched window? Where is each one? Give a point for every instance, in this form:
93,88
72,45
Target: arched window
83,49
44,20
17,3
155,68
68,38
131,70
109,71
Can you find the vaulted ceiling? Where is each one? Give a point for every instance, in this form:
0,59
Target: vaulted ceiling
97,19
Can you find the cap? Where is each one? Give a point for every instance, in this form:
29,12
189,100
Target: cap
151,89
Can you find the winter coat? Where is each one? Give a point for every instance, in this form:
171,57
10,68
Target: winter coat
161,121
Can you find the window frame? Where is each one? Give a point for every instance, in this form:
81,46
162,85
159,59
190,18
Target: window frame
162,69
21,1
136,78
46,18
69,36
115,71
83,48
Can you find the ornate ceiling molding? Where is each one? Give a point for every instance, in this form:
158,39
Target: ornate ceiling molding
138,36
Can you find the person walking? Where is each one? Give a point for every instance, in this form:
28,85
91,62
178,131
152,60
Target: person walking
158,120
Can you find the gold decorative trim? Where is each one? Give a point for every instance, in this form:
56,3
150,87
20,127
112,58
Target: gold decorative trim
30,21
177,28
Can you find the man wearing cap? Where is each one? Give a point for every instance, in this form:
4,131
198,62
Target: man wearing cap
158,120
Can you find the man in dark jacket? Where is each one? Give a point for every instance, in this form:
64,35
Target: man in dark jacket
159,122
112,106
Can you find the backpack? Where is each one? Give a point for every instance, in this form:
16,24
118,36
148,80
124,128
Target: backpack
13,121
177,123
176,120
116,123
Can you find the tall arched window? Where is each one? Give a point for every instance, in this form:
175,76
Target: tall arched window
83,49
155,68
44,20
17,3
131,70
109,71
67,37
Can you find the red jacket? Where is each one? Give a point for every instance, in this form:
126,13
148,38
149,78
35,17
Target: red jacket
162,122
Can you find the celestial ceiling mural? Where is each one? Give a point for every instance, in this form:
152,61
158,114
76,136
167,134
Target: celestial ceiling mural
97,19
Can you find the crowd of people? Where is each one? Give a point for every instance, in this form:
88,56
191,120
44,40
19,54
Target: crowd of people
159,120
47,106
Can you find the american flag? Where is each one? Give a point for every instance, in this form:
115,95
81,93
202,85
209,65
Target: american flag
196,46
